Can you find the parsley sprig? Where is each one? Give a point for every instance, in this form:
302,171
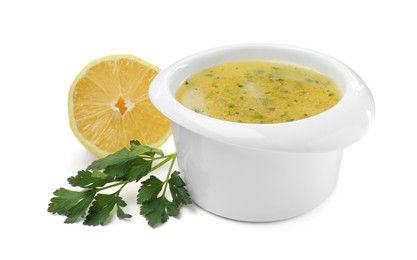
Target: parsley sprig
116,171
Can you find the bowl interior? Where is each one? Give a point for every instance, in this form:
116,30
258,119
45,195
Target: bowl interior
284,54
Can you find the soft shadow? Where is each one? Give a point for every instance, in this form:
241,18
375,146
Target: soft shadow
79,160
315,212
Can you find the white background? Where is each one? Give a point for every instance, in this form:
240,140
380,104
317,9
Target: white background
44,44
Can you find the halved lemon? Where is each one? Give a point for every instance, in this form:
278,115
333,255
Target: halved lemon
108,105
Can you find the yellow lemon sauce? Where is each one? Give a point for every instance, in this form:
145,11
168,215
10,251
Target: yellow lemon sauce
258,92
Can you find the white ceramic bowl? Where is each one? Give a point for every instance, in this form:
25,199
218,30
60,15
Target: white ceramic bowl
263,172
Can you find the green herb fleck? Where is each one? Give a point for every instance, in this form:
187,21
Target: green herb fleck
264,101
309,80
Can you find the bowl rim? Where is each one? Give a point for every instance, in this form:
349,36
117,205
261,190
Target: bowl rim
343,124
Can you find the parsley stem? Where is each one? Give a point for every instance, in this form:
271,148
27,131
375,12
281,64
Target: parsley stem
121,188
111,186
172,164
162,157
167,159
169,173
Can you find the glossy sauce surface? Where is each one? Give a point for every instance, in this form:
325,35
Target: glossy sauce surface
258,92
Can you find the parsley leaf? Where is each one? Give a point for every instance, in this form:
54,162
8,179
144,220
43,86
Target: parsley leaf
132,170
119,169
178,191
123,155
89,179
138,169
157,210
115,158
120,203
99,212
149,189
72,204
137,149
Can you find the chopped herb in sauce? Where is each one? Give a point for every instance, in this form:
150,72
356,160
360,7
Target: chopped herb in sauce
309,80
